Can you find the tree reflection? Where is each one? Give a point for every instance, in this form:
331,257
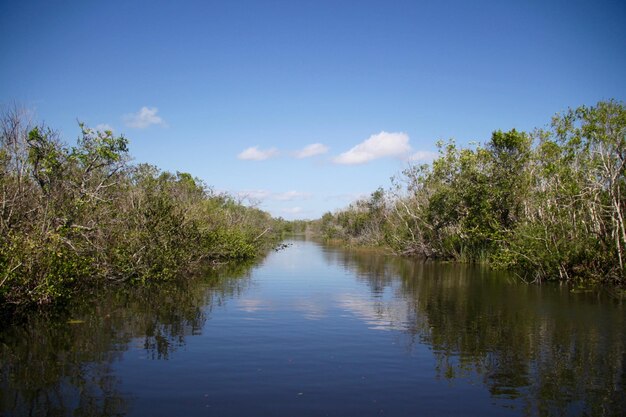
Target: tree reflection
61,363
555,351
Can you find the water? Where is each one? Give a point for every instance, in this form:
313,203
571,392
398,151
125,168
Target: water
321,331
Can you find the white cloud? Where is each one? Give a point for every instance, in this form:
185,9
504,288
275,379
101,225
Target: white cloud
311,150
292,210
267,195
377,146
103,127
291,195
144,118
423,156
254,194
256,154
350,197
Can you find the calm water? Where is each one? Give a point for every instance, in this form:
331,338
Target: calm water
319,331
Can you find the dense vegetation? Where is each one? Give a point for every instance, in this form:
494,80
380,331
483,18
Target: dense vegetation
75,217
548,204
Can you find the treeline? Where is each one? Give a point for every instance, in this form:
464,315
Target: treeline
548,204
74,217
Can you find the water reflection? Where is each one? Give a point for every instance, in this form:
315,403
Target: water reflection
556,351
324,331
61,363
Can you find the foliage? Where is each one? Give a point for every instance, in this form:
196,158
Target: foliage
549,205
75,217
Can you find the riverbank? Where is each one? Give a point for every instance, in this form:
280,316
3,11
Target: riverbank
547,205
78,217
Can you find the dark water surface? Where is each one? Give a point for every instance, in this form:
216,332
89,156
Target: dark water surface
320,331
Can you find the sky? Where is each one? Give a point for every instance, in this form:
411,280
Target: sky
300,107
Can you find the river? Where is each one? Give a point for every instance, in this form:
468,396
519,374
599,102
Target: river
314,330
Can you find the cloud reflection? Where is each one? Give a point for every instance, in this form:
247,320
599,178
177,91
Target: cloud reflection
312,308
253,305
377,314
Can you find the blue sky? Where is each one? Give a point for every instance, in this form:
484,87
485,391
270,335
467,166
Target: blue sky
234,91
